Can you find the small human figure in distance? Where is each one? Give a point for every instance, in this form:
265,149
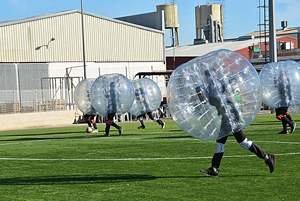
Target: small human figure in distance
90,119
140,118
161,109
112,96
229,115
140,95
284,87
286,119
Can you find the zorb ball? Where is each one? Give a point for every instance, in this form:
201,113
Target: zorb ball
281,81
112,93
294,109
147,96
82,97
214,95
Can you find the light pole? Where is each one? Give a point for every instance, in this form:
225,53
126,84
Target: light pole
272,31
83,45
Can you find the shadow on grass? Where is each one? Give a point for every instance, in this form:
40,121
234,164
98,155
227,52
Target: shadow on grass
51,138
54,133
63,138
170,131
75,179
169,137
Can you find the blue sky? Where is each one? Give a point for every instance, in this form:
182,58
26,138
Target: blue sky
241,16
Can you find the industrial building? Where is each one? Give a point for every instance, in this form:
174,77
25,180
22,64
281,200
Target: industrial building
41,57
41,60
287,49
209,27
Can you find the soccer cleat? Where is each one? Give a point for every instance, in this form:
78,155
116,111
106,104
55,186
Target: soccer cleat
293,127
141,127
106,134
283,132
212,171
271,162
120,130
95,131
163,125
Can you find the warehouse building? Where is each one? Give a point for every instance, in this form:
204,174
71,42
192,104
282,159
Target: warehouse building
46,52
41,57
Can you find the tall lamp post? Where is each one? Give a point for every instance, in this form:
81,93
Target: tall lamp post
272,31
83,47
272,36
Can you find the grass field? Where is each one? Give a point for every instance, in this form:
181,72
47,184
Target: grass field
152,164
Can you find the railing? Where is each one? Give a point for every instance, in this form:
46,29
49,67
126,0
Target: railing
14,101
25,101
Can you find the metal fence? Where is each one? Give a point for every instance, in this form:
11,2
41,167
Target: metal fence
42,100
23,101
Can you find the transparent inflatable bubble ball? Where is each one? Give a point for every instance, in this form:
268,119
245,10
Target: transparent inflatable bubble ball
147,96
214,95
112,93
281,81
294,109
82,97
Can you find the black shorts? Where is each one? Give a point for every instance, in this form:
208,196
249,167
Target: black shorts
281,111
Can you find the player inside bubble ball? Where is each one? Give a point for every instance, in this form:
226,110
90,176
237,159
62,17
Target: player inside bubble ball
230,122
284,87
112,96
141,96
90,118
283,84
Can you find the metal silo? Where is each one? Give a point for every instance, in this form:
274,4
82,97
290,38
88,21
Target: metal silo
201,14
171,20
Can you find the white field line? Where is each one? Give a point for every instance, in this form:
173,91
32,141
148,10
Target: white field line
277,142
112,138
106,138
127,159
134,159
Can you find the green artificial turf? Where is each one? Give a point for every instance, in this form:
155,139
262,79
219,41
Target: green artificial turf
153,164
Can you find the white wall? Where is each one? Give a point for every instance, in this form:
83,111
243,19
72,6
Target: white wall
39,119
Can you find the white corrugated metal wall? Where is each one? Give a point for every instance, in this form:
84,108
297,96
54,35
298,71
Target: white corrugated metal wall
118,42
106,40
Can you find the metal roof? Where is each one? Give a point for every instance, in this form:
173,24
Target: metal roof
286,31
30,41
199,50
39,17
230,44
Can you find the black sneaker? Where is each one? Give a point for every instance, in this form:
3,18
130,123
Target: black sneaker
141,127
284,132
120,130
212,171
107,134
271,162
163,125
293,127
